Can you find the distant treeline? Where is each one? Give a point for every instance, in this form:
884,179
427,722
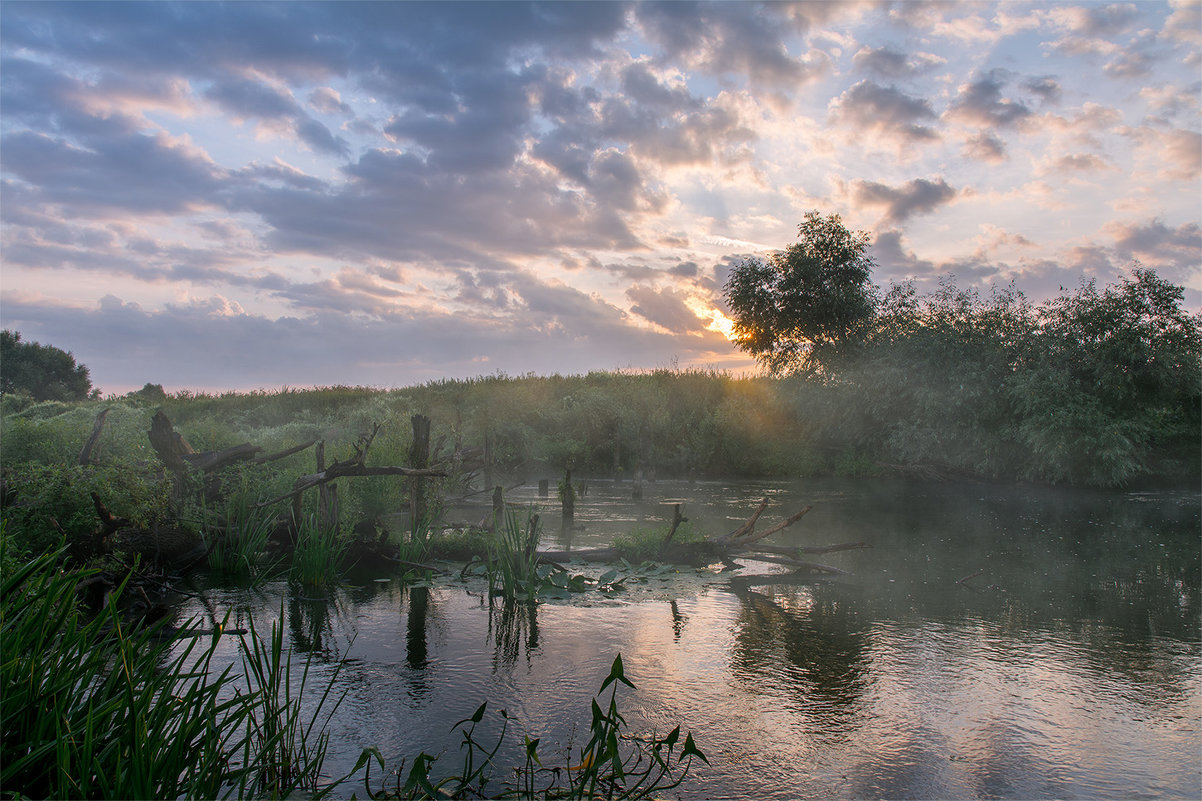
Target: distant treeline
950,404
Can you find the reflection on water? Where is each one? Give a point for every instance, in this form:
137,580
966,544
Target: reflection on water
1067,666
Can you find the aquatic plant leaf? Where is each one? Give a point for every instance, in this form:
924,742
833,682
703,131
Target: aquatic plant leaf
691,749
616,673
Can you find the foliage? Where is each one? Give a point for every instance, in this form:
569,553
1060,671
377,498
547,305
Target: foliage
611,764
1094,386
808,303
43,372
44,503
1118,372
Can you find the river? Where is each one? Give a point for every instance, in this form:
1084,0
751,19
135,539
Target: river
994,642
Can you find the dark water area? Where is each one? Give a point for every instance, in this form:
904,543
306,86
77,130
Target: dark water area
994,642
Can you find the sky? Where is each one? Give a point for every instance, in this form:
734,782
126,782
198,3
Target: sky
254,195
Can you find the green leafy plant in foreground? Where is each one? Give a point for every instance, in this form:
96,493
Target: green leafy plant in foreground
611,764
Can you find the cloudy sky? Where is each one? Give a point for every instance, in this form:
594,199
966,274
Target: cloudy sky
215,197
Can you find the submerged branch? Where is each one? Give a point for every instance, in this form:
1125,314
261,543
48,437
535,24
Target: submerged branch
347,470
797,563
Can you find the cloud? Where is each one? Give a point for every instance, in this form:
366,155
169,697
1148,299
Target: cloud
1096,20
1158,245
726,39
919,196
885,62
247,98
980,102
885,111
143,173
561,172
1076,163
664,307
1177,153
1046,88
986,147
325,100
894,261
1184,25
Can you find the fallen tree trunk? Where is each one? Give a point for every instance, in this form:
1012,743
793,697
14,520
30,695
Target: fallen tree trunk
347,470
215,460
742,543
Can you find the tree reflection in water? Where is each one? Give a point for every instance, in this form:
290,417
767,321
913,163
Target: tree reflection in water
804,644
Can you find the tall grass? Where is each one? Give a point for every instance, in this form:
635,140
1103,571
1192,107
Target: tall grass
319,553
238,541
289,751
89,709
512,561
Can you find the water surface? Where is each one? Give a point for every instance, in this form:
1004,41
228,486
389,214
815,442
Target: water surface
995,642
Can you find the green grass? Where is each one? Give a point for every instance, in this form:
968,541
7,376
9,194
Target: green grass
238,541
512,561
319,554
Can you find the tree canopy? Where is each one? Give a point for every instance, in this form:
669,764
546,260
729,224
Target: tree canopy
808,303
1096,385
44,372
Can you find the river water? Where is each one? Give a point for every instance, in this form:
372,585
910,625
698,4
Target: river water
994,642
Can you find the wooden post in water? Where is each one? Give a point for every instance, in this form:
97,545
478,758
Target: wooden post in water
498,507
323,492
488,458
544,488
567,497
419,458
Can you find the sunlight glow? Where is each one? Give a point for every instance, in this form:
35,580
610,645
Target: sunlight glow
718,321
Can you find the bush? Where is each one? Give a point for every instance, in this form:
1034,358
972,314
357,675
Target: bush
44,503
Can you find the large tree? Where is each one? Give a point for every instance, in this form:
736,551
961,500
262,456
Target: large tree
808,304
41,371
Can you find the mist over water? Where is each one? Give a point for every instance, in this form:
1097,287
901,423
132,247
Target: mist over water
995,642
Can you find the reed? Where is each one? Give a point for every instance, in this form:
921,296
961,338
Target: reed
92,710
286,750
512,561
89,709
319,554
238,541
612,764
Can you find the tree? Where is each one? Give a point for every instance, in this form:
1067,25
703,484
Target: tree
808,304
42,371
1112,385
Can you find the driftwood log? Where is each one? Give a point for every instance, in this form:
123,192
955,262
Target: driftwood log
742,543
352,467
